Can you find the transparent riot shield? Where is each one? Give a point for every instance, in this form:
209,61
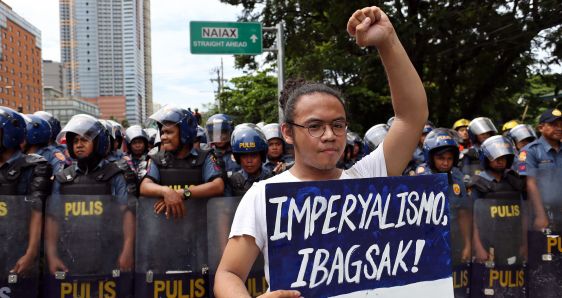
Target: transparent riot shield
89,246
461,237
499,248
545,246
220,214
171,254
18,217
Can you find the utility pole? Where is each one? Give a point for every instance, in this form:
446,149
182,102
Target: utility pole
220,83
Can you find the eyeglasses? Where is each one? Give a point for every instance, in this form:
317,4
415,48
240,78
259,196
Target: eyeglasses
317,129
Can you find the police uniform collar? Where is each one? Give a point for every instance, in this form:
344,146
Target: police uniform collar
545,144
102,163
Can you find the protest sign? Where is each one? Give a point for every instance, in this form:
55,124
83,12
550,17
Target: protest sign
376,236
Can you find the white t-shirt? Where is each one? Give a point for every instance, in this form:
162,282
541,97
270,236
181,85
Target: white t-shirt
250,215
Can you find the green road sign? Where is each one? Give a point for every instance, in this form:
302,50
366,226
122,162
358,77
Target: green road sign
225,38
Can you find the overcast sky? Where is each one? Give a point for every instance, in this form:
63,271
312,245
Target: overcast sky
177,76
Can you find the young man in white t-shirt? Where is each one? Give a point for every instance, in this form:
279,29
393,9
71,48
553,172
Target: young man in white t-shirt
315,123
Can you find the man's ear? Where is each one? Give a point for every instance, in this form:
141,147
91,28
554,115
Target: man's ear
287,131
540,127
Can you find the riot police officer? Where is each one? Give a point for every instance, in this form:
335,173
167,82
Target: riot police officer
151,134
276,161
522,135
20,175
418,156
219,129
542,162
249,148
137,147
374,137
461,126
479,130
38,134
54,123
178,171
200,141
92,175
496,181
508,126
441,152
118,141
499,240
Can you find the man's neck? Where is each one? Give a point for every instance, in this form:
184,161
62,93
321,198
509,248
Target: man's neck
184,152
307,173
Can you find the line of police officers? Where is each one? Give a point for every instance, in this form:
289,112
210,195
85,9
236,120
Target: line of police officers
80,172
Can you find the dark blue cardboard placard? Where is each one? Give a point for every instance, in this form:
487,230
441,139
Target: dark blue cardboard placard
397,237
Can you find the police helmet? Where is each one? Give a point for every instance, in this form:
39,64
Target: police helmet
38,130
479,126
247,139
509,125
219,128
87,127
522,132
374,137
118,131
53,122
108,127
496,147
201,135
428,127
440,140
260,124
13,128
151,134
272,131
461,123
134,132
180,117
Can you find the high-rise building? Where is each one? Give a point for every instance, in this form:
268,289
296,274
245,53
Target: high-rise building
52,74
103,51
147,58
20,62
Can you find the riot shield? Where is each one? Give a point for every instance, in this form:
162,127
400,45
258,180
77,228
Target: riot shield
16,214
220,214
545,247
171,254
89,246
461,236
499,248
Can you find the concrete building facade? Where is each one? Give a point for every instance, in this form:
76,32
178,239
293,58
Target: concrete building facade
103,51
21,85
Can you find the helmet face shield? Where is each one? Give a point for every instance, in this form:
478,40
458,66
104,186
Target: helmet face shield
522,132
134,132
272,130
496,147
219,128
482,125
168,116
375,135
84,125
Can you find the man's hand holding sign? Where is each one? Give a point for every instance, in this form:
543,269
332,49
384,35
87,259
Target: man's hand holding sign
391,256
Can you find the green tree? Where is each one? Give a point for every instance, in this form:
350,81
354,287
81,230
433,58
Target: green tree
473,56
249,98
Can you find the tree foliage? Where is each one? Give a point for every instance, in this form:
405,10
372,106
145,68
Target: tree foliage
474,57
249,98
